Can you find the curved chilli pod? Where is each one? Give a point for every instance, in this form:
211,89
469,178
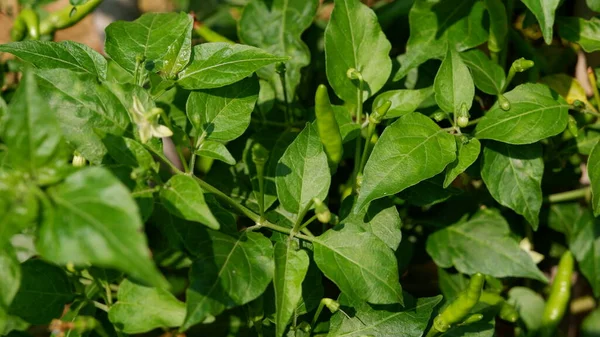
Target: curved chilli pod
560,292
329,131
457,311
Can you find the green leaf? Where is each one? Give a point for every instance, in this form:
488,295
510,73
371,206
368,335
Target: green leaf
469,246
498,25
487,75
82,107
594,175
44,291
68,55
303,172
348,128
568,87
215,150
544,12
590,326
403,101
429,192
425,151
381,219
129,152
409,320
141,309
467,152
223,114
360,264
277,26
586,33
276,144
219,64
563,216
312,290
513,175
354,39
95,220
229,271
451,285
453,84
31,132
536,113
291,265
159,42
530,306
584,242
10,273
593,5
183,197
19,206
439,24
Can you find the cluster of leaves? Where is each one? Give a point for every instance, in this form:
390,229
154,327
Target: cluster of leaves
187,186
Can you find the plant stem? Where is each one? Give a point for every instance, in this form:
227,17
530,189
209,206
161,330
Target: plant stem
208,34
164,159
227,199
568,196
365,154
260,171
108,291
301,216
307,222
474,121
317,314
594,86
357,153
192,164
238,207
149,190
288,117
100,306
286,231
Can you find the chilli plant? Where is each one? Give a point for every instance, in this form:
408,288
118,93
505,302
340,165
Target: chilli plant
328,174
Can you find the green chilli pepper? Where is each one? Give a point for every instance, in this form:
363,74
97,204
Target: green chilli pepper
457,311
67,17
328,128
19,29
322,211
560,292
27,24
503,102
462,116
572,126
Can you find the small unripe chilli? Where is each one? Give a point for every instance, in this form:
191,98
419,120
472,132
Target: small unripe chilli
379,114
522,65
463,116
322,211
509,313
353,74
503,102
472,319
332,305
462,121
79,160
260,155
573,126
439,116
